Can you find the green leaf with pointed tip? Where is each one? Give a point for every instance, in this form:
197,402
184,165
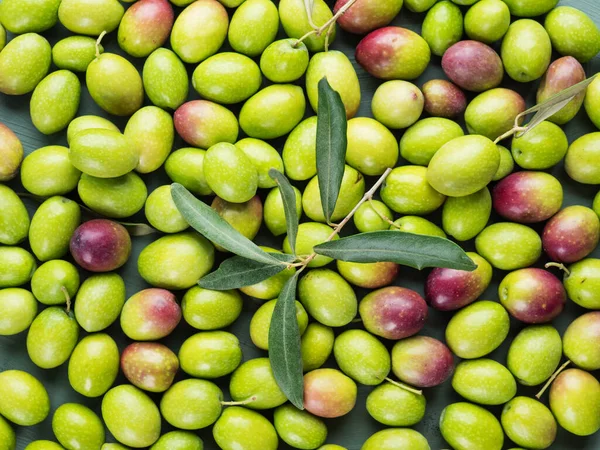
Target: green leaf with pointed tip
552,105
237,272
332,140
139,229
289,205
413,250
207,222
284,345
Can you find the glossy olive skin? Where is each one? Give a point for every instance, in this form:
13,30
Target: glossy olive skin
131,416
362,357
77,426
52,337
526,50
393,312
99,301
368,275
393,53
11,151
477,329
17,266
484,381
367,16
449,289
316,346
176,261
580,160
242,428
48,171
395,439
532,295
165,79
534,354
210,354
113,197
60,89
509,246
19,307
149,366
465,217
443,99
24,400
22,76
422,361
528,197
299,428
94,365
473,66
150,314
329,393
529,422
192,404
100,245
145,27
394,406
561,74
14,222
254,380
575,401
492,113
583,282
466,426
572,234
580,341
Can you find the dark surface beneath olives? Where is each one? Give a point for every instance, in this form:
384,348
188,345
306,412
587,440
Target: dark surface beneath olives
353,429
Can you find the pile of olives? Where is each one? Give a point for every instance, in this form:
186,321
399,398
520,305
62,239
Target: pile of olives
226,92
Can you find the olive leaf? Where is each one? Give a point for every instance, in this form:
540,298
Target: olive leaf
332,141
284,345
207,222
237,272
552,105
139,229
288,196
413,250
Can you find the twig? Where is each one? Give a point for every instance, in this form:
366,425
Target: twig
561,266
509,133
404,386
366,197
98,43
67,297
381,216
319,31
549,382
240,403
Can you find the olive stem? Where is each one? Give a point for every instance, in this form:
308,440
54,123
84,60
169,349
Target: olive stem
338,228
515,129
67,297
551,379
319,31
240,403
328,35
404,386
381,216
561,266
98,43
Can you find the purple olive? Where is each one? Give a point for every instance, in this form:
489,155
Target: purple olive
393,53
150,314
100,245
450,289
422,361
572,234
528,197
532,295
149,365
444,99
393,312
473,66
